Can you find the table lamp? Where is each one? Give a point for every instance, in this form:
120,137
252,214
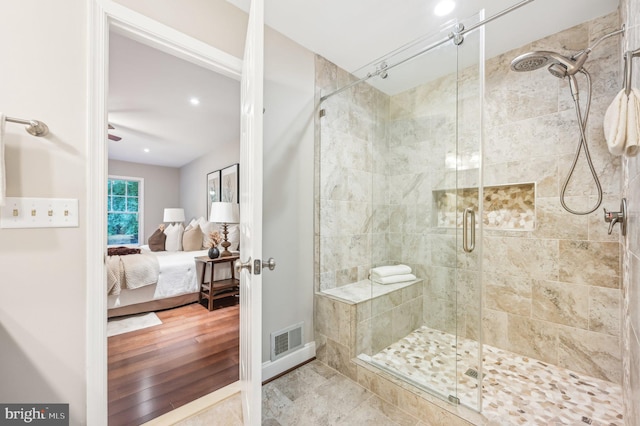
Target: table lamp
173,215
225,213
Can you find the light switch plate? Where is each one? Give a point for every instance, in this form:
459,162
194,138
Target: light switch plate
19,212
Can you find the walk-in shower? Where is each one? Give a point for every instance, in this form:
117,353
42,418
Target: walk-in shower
414,152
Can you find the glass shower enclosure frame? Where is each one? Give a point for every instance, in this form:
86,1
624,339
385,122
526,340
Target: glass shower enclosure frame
400,183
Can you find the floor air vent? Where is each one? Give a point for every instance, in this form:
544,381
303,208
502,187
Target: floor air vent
285,341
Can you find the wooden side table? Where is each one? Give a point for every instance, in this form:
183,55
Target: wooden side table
214,290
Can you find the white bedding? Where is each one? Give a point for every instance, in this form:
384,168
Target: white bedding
177,276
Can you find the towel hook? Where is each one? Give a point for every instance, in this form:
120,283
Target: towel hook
628,68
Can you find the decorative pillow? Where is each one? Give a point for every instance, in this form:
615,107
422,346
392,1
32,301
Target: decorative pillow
157,240
207,228
174,237
233,236
192,224
192,238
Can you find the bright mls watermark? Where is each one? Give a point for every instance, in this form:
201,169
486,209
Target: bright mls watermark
34,414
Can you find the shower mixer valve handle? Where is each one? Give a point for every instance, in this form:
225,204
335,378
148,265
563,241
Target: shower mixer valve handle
617,217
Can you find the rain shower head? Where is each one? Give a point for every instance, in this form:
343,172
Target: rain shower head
560,66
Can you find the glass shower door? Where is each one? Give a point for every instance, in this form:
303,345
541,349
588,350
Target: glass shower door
469,215
399,164
432,162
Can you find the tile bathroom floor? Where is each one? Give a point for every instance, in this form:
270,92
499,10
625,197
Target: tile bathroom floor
517,390
315,394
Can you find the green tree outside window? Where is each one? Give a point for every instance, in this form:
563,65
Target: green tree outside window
123,215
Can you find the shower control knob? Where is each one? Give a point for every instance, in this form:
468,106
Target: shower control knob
617,217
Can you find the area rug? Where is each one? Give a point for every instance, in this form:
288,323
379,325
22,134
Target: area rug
117,326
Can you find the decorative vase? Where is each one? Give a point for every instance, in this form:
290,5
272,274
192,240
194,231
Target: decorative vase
214,253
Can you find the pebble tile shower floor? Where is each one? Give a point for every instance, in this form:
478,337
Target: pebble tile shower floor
517,390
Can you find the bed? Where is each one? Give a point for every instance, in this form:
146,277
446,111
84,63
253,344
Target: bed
177,283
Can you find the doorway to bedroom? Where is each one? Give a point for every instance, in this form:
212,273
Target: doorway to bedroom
171,124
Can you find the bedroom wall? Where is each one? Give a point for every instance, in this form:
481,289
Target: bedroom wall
193,178
161,189
42,316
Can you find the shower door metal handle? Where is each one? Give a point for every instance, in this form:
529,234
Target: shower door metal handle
468,212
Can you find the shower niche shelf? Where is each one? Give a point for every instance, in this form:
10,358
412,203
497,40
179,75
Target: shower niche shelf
509,207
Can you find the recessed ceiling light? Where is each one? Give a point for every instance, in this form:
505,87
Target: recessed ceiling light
444,7
194,101
146,150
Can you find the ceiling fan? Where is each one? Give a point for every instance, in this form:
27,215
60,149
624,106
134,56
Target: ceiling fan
113,137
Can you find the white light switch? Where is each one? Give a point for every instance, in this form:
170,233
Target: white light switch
19,212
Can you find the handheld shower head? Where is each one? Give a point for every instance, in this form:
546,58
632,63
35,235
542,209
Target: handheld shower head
558,70
561,66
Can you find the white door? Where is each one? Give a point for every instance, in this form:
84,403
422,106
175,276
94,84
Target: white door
251,216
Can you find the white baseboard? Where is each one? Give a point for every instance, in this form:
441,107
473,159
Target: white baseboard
271,369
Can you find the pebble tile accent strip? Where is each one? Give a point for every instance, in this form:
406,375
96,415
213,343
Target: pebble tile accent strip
506,207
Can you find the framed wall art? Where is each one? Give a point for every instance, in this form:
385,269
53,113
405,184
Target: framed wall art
213,189
230,184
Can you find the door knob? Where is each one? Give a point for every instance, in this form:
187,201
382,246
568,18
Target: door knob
271,264
239,265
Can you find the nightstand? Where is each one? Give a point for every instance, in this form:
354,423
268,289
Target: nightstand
220,289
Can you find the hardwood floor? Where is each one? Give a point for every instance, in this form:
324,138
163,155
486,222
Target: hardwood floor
157,369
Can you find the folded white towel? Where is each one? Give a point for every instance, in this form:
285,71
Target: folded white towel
392,279
3,181
631,146
385,271
615,124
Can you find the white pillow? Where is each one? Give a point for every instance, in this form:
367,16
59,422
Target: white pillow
192,224
174,237
233,236
201,221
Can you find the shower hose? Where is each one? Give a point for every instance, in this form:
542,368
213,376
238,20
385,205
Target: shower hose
582,124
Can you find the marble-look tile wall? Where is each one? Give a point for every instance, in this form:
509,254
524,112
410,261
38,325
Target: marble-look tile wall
351,228
630,16
553,293
432,129
344,330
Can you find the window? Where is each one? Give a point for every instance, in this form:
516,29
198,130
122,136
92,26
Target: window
124,211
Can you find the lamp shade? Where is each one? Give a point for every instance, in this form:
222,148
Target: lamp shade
224,213
173,215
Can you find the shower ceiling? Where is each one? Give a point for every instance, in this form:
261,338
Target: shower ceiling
353,33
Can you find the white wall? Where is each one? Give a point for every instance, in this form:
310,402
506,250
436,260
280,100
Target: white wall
288,187
42,271
193,178
161,189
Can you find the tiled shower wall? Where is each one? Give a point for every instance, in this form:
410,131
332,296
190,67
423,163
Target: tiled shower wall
630,15
423,153
352,181
552,293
